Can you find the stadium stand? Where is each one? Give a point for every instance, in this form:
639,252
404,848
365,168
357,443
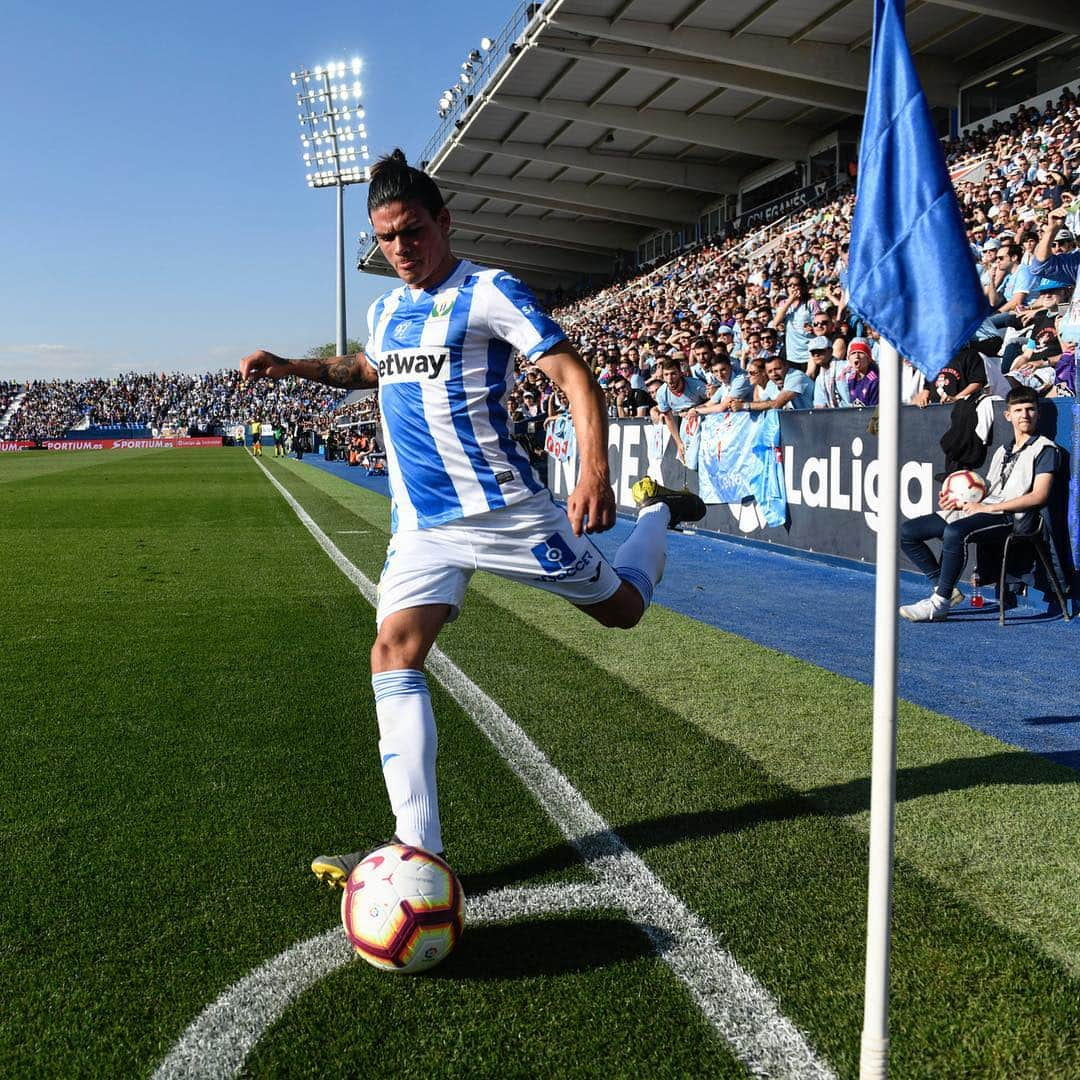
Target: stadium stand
9,391
194,403
1027,165
620,156
724,292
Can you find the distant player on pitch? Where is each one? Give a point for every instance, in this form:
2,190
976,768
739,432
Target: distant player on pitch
440,348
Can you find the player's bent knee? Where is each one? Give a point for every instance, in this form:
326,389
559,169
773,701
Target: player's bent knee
622,611
397,653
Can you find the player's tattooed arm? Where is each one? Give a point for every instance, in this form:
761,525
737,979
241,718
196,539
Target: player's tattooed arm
351,372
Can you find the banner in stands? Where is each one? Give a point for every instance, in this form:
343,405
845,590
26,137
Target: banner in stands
128,444
829,460
116,431
559,441
740,457
631,446
781,206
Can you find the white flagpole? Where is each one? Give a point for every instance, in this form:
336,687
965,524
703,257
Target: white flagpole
874,1057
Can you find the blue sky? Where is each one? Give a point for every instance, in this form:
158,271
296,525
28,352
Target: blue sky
153,210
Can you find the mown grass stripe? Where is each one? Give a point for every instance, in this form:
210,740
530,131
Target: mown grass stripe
780,876
994,824
741,1009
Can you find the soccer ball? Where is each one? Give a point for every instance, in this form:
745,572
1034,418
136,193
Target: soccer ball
964,486
403,909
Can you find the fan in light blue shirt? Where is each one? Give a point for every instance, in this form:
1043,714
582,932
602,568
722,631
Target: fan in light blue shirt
791,381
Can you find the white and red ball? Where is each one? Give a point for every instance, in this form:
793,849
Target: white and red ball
964,486
403,909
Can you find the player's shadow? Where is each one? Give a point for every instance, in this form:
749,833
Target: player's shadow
830,800
550,862
543,947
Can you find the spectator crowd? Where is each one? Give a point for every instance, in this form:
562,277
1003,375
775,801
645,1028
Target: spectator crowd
8,392
731,323
762,322
206,403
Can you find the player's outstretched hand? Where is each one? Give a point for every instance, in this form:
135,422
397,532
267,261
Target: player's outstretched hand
263,365
591,506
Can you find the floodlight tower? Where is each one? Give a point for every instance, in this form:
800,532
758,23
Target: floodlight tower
333,136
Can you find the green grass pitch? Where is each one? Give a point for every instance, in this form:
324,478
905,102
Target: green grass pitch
187,719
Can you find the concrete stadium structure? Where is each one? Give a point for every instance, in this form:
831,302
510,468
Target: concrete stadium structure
600,133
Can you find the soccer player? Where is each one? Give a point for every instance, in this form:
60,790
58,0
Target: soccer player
440,348
256,438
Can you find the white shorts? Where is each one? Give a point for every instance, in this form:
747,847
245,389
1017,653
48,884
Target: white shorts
530,541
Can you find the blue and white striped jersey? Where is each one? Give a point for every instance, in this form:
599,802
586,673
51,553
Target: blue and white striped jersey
445,371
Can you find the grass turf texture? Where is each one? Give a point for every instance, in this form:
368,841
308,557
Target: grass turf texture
187,712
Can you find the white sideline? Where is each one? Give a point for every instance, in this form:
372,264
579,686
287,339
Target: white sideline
739,1007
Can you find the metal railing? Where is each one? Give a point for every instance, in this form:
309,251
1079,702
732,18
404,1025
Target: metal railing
757,240
510,34
366,247
500,49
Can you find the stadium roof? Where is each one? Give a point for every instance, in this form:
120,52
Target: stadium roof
595,123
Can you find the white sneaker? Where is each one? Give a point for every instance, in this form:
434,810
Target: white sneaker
957,598
925,611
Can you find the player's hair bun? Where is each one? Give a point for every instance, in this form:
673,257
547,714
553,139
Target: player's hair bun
393,179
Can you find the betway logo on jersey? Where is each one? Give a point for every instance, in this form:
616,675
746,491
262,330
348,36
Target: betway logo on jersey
415,365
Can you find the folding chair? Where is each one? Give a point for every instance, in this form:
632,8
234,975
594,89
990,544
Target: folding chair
1037,538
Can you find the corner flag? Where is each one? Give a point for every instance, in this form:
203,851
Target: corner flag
910,268
913,279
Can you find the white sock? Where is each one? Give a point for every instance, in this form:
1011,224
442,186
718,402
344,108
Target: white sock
939,600
640,560
408,743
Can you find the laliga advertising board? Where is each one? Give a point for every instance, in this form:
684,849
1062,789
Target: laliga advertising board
829,470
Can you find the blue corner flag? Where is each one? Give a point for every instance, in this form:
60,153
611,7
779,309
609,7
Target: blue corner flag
910,268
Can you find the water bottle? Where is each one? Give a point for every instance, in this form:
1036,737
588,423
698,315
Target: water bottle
977,600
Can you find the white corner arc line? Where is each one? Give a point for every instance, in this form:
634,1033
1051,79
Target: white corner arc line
218,1041
742,1010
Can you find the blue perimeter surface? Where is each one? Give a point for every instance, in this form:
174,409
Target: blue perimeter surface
1016,683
